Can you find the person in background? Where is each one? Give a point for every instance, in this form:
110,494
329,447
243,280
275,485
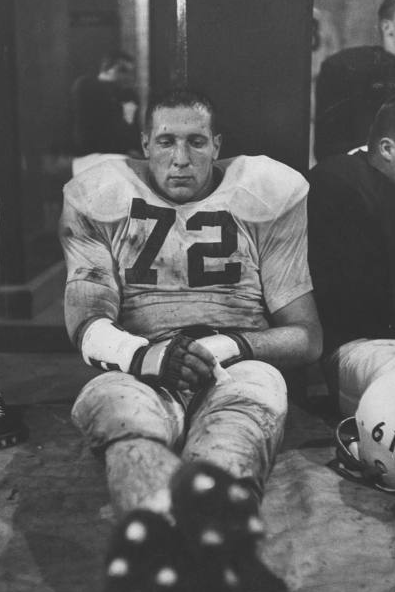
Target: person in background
351,221
105,112
178,266
351,86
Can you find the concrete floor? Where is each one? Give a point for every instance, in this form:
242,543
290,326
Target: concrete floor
322,532
54,509
55,517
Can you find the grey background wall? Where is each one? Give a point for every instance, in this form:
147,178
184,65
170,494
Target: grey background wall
354,19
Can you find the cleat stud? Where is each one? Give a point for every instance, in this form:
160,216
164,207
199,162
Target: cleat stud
255,525
118,568
202,483
136,532
237,493
211,538
230,577
167,576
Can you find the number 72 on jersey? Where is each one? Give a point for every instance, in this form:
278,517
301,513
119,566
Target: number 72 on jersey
141,272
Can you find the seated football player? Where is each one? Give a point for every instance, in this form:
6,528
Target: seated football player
351,213
188,286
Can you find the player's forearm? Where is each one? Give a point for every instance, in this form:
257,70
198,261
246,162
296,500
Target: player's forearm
85,302
286,347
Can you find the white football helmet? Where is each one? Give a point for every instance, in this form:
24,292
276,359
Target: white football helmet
369,447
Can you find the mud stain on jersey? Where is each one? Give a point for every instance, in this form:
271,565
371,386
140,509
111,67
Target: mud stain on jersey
134,240
92,275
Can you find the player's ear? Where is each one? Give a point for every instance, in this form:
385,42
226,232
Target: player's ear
217,141
387,149
387,27
144,143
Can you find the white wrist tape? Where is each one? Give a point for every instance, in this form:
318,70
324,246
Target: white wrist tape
221,346
108,347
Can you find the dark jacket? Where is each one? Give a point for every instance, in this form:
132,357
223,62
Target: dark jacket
351,216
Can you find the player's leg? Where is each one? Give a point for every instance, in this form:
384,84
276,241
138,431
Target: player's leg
237,427
137,428
219,522
239,424
354,366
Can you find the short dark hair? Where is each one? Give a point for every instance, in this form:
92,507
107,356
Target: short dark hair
383,124
112,58
180,98
386,10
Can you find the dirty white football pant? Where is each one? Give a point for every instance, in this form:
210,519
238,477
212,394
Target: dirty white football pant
354,366
238,424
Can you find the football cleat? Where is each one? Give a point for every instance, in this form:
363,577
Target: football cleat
219,521
146,555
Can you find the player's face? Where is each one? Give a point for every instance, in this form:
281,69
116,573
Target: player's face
181,149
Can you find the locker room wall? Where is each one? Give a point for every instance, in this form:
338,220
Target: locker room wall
253,59
54,42
42,63
355,20
45,46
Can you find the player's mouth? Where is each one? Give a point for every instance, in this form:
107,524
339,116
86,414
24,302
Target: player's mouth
180,179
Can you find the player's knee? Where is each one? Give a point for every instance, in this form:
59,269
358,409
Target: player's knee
262,383
115,406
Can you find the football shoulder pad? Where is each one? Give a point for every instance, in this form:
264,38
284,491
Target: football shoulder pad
262,188
104,191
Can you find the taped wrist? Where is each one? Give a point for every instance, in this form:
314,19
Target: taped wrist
107,346
228,347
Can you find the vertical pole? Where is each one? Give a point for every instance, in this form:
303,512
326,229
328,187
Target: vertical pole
143,53
181,67
135,39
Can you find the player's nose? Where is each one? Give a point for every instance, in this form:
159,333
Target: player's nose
181,156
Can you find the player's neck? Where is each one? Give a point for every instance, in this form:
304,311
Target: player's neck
379,164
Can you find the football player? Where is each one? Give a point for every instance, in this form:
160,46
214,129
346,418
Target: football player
180,266
351,210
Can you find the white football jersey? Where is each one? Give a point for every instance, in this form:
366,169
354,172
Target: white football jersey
155,266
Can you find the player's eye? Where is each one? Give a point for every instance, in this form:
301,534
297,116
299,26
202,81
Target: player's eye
164,142
198,141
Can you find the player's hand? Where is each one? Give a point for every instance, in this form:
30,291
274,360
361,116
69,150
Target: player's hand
179,364
191,365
